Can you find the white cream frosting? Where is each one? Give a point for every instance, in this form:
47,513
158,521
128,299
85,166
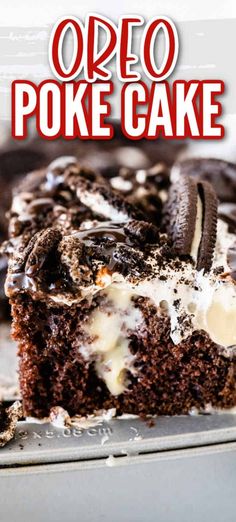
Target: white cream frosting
108,329
194,300
21,202
208,300
119,183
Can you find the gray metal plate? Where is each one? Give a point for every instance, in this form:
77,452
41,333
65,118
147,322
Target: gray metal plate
36,443
188,485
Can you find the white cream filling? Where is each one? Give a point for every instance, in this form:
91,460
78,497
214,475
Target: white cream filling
198,230
208,300
100,206
119,183
141,176
20,203
110,345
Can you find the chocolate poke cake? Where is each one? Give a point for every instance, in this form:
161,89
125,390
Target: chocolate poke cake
122,291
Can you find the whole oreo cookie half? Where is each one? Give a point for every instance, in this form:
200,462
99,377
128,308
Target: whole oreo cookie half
180,212
221,174
190,219
209,225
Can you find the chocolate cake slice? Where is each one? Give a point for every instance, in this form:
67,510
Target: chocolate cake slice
114,309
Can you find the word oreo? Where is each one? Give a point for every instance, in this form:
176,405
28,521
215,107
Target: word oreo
77,104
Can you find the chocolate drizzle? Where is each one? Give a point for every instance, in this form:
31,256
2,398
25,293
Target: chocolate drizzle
107,230
106,239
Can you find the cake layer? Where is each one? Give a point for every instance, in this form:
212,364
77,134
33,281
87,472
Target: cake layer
57,367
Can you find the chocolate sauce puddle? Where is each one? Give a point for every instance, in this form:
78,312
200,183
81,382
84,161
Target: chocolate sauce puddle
113,233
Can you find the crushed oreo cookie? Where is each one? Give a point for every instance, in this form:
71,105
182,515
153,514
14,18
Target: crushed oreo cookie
52,263
8,421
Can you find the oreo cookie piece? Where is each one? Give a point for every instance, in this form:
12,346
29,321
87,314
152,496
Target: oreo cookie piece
221,174
106,202
209,225
190,218
8,421
180,212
